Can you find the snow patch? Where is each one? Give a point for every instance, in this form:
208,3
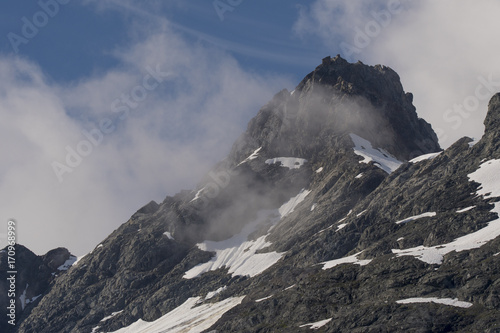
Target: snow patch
313,207
212,294
68,263
400,239
465,209
25,301
496,254
186,318
253,156
346,260
487,176
358,215
446,301
318,324
22,298
435,254
287,288
78,259
380,157
359,176
416,217
473,142
111,316
33,299
319,170
263,299
169,235
341,226
424,157
197,195
238,254
288,207
287,162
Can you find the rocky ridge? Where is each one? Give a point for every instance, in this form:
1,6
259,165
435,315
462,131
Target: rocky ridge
316,218
33,278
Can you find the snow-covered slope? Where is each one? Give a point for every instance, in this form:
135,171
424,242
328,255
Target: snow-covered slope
239,253
189,317
380,157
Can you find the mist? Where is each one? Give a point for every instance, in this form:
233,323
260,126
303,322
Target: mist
80,159
444,51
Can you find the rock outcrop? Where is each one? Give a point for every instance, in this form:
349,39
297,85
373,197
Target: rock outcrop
317,218
32,280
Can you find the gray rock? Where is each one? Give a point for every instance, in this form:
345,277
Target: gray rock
139,268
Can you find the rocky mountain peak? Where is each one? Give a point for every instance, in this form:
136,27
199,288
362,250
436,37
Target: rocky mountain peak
336,99
492,121
309,223
490,142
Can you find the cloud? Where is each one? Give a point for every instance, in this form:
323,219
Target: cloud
162,141
444,51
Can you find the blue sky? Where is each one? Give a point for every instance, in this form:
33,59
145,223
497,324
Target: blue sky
82,36
109,104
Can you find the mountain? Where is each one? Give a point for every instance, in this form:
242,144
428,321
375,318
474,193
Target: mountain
336,210
33,278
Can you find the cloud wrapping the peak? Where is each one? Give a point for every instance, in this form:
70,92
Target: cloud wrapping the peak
446,52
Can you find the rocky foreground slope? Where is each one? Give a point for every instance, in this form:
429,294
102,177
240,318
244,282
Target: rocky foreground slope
319,218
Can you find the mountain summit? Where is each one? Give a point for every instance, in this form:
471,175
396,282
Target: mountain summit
341,98
335,210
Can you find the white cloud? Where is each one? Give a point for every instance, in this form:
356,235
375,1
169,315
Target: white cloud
439,48
166,143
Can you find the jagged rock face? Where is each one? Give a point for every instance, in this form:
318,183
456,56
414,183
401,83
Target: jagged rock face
491,139
338,98
34,275
299,154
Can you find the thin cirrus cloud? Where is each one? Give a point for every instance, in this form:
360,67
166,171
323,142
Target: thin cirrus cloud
444,51
166,142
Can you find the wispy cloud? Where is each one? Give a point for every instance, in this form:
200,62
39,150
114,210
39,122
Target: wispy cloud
166,143
150,12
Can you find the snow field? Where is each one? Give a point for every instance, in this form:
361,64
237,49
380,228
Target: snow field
465,209
68,263
446,301
287,162
380,157
169,235
416,217
238,254
197,195
346,260
253,156
424,157
318,324
186,318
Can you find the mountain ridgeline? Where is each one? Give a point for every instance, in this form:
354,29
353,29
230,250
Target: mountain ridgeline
335,210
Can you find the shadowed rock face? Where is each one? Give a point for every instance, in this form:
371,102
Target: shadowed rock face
491,138
34,275
337,98
299,146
